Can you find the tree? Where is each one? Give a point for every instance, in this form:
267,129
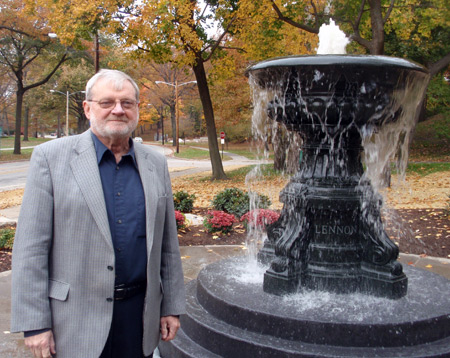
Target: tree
23,40
159,81
176,31
368,21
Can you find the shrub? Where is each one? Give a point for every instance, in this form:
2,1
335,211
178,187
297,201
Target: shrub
183,201
7,238
237,202
216,221
259,218
181,220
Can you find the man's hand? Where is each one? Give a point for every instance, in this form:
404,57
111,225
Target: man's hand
169,327
41,345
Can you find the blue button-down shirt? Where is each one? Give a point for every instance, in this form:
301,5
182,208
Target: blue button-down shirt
125,205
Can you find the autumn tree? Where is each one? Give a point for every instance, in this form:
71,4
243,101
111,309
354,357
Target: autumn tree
368,22
23,40
159,82
176,31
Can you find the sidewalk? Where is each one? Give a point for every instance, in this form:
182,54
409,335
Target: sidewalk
194,258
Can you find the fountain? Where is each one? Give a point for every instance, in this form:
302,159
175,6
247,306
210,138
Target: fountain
330,235
333,286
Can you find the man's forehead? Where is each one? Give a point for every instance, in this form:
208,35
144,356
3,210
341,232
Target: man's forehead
114,85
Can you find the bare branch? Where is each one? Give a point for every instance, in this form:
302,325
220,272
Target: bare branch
219,40
439,65
388,12
314,30
63,59
358,18
2,27
362,41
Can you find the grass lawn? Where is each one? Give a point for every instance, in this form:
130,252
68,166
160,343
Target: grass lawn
8,142
8,156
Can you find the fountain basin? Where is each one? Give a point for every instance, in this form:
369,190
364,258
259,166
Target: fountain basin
231,317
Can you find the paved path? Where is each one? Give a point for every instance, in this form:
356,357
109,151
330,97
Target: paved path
13,174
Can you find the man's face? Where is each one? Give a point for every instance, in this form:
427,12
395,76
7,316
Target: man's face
115,121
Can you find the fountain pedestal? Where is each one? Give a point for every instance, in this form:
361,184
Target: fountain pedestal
330,234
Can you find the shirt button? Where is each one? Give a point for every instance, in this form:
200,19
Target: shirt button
117,168
109,299
119,221
118,194
110,268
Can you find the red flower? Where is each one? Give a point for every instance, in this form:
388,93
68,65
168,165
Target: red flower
181,220
260,218
218,221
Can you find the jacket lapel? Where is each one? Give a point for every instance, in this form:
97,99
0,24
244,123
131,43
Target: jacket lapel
147,173
85,170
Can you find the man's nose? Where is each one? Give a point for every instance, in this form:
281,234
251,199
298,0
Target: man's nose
118,107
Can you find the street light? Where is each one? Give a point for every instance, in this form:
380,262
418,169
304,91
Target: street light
67,94
176,85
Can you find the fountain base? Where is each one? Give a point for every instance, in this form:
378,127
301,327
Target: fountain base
231,317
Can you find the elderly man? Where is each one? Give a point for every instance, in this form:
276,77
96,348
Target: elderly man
96,264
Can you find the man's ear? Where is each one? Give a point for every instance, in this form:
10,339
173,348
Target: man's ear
87,109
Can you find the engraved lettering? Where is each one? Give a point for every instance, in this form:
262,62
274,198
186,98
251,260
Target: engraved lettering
335,229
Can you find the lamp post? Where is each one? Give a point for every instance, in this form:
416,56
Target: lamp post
176,85
67,94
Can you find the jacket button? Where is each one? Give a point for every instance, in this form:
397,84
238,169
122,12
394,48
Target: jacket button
109,299
110,268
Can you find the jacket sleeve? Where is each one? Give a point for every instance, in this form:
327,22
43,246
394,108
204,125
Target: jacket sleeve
30,307
172,277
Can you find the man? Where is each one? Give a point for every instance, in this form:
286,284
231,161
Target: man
96,264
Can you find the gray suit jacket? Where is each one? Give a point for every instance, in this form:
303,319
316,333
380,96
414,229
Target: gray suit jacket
63,247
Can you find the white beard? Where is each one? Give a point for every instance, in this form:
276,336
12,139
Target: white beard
110,128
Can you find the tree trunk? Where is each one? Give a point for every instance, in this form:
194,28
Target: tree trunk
203,90
19,100
6,122
25,124
376,18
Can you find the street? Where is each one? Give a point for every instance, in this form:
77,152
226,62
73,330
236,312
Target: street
13,174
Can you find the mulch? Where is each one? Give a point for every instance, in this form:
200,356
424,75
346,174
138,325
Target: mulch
423,232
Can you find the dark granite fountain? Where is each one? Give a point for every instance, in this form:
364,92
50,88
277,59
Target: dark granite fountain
333,287
330,235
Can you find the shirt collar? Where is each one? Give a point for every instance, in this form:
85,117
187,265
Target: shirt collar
101,149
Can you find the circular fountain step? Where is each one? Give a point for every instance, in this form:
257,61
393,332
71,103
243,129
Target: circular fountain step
231,317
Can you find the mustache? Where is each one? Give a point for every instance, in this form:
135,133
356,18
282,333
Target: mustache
117,119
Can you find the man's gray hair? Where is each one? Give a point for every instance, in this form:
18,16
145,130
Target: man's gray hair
114,76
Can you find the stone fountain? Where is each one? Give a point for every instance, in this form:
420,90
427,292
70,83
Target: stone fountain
330,235
332,287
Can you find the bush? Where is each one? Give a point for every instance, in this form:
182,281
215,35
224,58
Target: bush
181,220
7,238
237,202
183,201
216,221
259,218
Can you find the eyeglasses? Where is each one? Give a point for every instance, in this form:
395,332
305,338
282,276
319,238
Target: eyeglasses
109,103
